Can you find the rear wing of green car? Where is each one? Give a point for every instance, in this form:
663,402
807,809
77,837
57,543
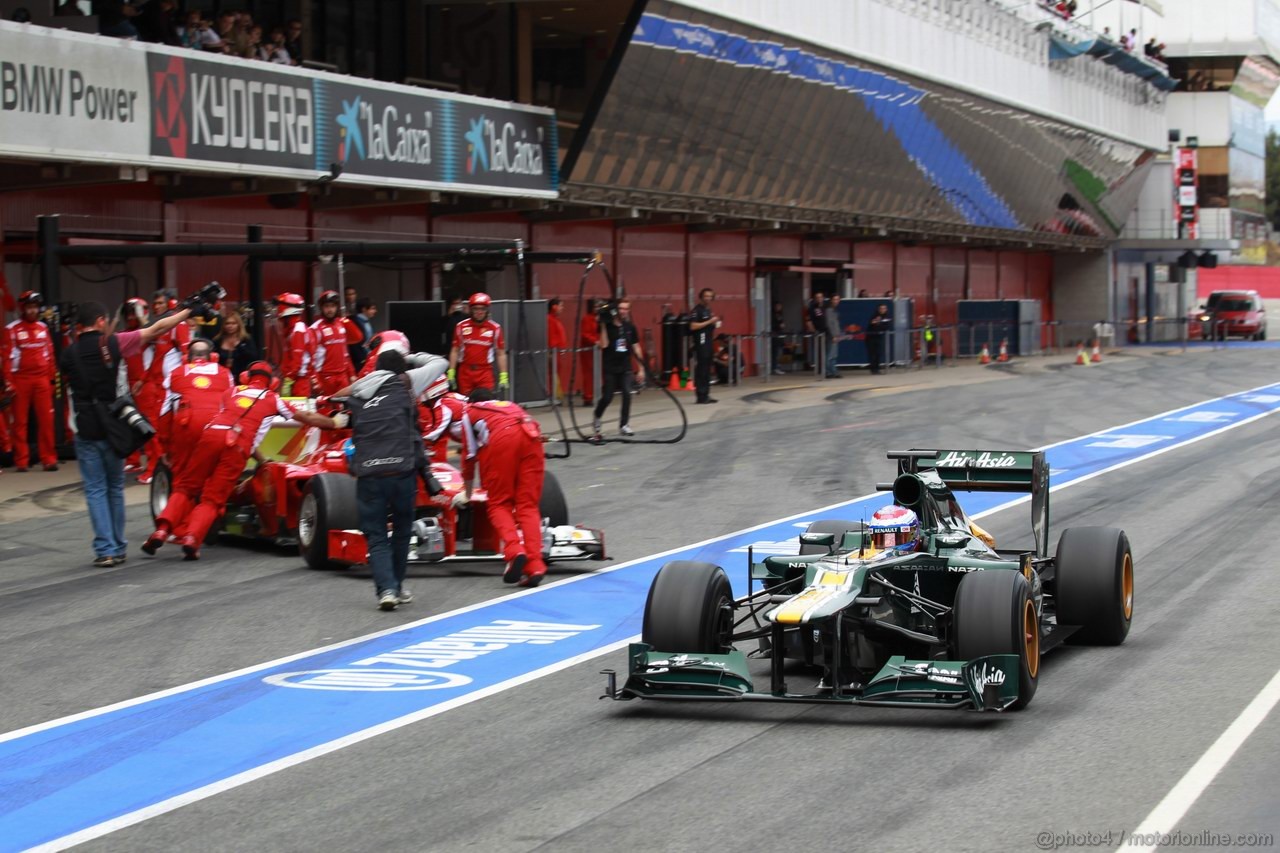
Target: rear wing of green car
1025,471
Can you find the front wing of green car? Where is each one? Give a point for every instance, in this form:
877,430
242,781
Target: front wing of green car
987,683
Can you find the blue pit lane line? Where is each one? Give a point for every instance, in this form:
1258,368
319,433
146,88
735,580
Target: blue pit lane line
80,777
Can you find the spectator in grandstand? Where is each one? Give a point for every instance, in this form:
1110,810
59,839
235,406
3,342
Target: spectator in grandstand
116,20
157,22
293,41
236,350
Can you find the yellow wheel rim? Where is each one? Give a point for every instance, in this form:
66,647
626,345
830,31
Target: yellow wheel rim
1126,586
1031,638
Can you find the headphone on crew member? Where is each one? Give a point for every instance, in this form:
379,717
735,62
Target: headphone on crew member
260,368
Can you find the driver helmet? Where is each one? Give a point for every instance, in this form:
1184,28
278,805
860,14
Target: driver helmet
894,528
390,339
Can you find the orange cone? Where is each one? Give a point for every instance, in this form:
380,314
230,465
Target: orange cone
1096,357
674,384
1081,357
1004,350
984,357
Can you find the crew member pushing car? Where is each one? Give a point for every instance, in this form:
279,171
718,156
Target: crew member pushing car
332,334
443,423
218,459
477,345
197,392
30,365
168,351
508,445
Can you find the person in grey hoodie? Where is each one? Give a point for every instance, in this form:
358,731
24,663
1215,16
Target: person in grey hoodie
834,334
389,458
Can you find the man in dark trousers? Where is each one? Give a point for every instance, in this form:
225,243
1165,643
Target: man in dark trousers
879,326
619,343
702,325
388,455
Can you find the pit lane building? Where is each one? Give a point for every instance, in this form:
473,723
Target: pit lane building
935,150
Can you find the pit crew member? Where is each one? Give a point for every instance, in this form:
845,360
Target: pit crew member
477,345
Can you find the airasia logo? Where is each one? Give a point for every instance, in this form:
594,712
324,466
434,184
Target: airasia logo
168,89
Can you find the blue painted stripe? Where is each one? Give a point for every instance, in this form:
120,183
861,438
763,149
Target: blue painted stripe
895,104
79,774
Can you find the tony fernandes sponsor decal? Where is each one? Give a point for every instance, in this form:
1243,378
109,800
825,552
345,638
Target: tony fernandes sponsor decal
977,460
419,666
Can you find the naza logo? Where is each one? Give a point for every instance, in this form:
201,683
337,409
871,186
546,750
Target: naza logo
477,152
349,133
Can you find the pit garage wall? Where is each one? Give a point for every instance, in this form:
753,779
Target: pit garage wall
655,265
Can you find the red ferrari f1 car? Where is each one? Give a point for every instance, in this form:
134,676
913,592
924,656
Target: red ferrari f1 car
306,496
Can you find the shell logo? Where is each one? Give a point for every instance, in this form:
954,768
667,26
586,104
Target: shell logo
201,382
244,402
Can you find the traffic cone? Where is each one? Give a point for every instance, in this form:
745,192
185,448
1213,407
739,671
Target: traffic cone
674,384
1096,357
1081,357
984,357
1004,350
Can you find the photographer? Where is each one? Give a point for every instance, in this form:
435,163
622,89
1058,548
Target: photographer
619,341
90,367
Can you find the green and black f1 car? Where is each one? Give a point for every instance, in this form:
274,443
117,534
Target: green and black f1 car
954,623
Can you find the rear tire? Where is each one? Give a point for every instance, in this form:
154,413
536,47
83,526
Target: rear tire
1094,584
994,615
329,503
830,525
553,505
689,609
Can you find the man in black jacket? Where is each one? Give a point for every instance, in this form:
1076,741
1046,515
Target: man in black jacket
91,368
619,342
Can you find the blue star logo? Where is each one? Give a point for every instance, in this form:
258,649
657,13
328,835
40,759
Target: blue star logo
349,120
475,139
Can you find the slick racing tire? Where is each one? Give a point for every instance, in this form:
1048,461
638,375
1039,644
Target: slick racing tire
839,528
1094,584
690,609
552,505
161,488
994,615
329,503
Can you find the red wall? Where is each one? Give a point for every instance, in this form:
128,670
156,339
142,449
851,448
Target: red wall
1265,280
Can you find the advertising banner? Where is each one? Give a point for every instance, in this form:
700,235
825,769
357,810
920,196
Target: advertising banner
75,97
63,96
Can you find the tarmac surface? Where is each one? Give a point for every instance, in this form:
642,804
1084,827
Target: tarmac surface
545,765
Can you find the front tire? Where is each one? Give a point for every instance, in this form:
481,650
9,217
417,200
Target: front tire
161,488
1094,584
329,503
994,615
552,505
689,609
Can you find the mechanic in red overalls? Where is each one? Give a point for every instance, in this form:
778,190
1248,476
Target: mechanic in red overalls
219,458
133,316
557,339
508,445
195,393
477,344
443,423
298,343
30,365
332,334
167,353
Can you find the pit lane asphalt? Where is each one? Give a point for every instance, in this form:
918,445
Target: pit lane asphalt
1109,732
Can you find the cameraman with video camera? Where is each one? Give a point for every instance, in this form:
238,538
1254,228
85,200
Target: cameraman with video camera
619,341
90,366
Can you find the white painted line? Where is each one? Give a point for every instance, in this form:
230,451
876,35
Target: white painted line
215,788
1174,807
